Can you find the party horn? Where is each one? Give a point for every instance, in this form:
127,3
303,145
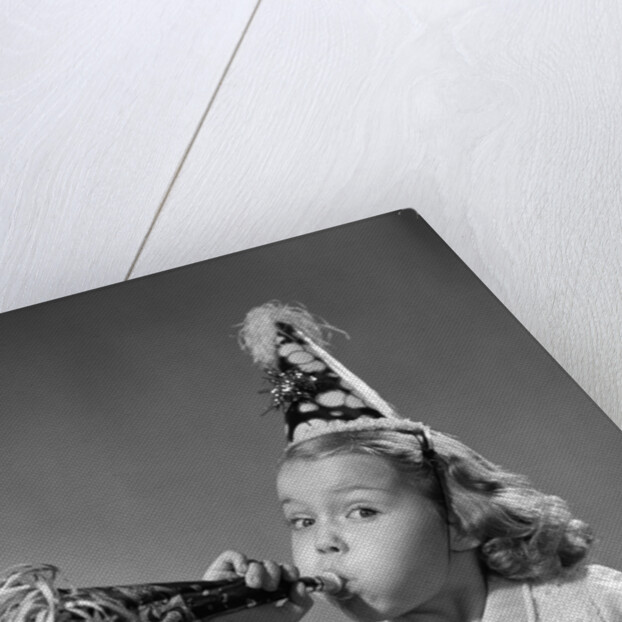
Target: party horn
30,594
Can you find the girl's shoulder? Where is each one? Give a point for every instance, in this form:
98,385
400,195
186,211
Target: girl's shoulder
597,589
605,586
592,593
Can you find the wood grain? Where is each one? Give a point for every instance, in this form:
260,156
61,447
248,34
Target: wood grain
98,103
498,121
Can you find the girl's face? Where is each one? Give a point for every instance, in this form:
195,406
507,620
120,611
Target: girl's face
357,516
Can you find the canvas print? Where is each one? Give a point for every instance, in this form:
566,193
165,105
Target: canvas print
345,425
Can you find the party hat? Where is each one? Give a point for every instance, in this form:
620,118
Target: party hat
317,393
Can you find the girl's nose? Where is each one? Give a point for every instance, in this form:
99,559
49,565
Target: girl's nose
327,540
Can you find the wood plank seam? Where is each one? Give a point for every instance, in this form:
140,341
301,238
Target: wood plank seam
191,143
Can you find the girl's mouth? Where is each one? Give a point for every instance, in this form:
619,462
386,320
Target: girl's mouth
343,586
342,596
344,593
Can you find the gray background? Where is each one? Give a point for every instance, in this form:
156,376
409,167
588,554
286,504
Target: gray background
132,448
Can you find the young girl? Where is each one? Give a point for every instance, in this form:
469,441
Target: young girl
417,526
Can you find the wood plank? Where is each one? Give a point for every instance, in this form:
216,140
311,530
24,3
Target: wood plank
99,102
500,122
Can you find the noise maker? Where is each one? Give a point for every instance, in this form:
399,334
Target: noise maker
30,594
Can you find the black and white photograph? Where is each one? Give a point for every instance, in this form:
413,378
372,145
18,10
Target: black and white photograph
143,443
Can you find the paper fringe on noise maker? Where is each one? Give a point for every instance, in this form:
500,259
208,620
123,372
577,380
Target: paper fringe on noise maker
31,594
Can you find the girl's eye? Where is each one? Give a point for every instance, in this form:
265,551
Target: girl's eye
362,513
300,522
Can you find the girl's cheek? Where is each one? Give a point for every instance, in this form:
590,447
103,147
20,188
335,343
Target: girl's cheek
302,554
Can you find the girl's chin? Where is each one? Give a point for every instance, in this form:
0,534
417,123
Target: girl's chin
355,608
342,597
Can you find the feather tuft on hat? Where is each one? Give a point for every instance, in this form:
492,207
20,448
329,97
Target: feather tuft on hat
260,327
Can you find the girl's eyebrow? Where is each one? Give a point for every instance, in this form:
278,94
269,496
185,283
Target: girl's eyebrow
355,487
344,490
287,500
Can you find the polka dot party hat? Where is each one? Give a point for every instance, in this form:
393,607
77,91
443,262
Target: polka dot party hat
315,391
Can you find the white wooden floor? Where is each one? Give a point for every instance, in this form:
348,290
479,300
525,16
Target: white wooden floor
140,136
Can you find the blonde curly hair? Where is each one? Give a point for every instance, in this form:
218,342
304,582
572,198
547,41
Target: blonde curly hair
523,534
